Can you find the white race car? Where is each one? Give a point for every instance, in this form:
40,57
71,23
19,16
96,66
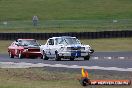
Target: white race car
65,47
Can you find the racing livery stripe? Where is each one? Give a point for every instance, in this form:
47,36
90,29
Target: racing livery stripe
76,53
79,52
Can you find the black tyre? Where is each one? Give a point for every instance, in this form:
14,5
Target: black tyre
44,57
87,57
11,55
20,56
57,57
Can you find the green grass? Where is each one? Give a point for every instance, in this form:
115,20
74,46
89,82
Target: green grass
42,78
65,15
36,78
112,44
65,9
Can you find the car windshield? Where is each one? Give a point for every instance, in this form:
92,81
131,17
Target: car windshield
67,41
28,42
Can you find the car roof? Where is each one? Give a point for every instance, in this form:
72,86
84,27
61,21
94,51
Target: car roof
25,39
63,37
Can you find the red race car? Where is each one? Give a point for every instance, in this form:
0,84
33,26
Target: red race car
24,48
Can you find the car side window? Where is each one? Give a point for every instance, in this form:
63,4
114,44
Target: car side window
58,41
51,42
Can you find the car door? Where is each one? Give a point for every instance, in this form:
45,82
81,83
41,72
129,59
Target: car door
52,47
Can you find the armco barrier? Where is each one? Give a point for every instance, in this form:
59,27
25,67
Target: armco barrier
82,35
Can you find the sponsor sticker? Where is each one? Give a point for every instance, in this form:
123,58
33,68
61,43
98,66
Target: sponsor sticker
86,81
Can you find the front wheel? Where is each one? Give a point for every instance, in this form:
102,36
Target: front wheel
20,56
57,57
87,57
11,55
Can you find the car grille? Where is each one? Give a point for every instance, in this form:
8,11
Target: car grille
34,50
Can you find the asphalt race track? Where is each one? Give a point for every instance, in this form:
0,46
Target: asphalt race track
116,61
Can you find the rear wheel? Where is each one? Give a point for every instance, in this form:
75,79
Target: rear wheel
11,55
44,57
87,57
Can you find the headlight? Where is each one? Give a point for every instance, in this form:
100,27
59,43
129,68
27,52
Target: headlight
89,47
25,50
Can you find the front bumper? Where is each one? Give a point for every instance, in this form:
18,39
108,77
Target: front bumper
91,51
27,54
73,54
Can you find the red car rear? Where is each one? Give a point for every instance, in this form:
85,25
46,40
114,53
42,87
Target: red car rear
24,48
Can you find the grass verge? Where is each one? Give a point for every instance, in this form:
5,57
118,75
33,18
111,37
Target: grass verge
112,44
57,26
42,78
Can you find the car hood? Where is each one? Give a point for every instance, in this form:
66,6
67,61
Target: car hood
75,45
31,46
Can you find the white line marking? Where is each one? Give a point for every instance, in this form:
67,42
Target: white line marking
108,58
96,58
121,58
28,65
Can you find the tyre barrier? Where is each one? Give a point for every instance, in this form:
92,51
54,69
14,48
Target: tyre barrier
81,35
